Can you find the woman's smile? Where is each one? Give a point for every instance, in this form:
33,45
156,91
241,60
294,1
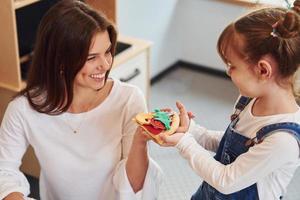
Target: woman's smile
97,77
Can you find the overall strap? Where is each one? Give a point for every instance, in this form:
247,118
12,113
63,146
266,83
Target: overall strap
239,107
290,127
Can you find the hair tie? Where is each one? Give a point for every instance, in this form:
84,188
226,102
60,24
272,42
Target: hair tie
274,32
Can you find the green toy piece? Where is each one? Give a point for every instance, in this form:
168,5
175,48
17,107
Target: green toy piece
163,117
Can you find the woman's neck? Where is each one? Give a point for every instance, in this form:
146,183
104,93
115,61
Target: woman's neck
85,99
278,101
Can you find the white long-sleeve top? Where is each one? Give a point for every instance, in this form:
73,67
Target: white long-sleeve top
271,164
87,165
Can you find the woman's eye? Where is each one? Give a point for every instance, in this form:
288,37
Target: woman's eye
91,58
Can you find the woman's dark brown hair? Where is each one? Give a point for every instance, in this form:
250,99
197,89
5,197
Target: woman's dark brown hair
268,31
62,46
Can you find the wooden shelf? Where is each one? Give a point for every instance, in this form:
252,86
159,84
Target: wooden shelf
252,3
23,85
23,3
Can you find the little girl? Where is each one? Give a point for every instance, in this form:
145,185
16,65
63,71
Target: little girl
258,155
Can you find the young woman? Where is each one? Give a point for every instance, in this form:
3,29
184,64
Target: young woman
78,121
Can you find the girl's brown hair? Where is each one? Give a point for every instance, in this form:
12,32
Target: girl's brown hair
61,50
268,31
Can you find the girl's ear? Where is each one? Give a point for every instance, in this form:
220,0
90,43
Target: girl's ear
264,69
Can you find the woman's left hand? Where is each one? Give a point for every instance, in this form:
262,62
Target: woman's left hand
141,136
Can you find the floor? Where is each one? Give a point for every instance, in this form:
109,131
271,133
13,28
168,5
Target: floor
211,99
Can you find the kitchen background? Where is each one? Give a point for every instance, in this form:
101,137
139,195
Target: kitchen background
184,66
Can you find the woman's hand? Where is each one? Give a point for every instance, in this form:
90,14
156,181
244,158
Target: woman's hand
14,196
172,140
140,136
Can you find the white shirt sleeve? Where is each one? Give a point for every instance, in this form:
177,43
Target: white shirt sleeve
261,160
153,177
13,145
208,139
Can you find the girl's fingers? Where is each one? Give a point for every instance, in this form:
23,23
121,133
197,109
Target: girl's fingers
191,115
183,115
180,107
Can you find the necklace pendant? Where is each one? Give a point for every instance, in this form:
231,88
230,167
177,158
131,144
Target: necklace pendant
74,131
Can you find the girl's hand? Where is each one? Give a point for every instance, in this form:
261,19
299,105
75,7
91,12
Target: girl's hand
172,140
184,118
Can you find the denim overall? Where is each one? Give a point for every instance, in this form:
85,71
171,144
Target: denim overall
234,144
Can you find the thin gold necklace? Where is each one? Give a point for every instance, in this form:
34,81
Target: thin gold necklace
83,118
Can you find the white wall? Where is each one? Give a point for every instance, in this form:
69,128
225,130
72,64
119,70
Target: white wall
152,20
201,22
179,29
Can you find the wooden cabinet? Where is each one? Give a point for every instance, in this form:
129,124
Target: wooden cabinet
10,76
132,65
133,71
108,7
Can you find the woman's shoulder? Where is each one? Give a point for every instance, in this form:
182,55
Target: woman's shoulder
129,96
19,102
18,106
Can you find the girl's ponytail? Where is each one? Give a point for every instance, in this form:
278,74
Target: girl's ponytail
289,26
296,81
